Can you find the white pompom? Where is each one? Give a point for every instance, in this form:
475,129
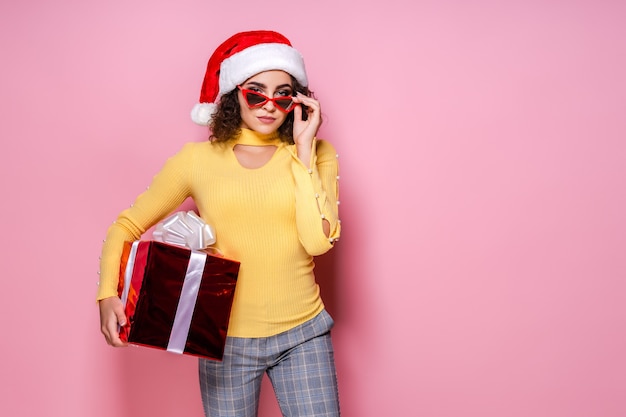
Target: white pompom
202,113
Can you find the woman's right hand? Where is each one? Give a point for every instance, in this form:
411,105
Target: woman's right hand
112,315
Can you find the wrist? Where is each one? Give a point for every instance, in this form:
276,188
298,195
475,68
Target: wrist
305,152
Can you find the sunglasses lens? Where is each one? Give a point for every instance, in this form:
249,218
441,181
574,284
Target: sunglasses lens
254,99
284,103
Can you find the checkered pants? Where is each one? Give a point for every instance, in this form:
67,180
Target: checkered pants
299,362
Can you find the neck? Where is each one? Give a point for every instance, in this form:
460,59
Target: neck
250,137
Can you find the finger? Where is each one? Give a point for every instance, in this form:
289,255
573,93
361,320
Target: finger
106,334
313,109
110,328
312,105
110,333
120,316
297,112
113,338
120,320
306,100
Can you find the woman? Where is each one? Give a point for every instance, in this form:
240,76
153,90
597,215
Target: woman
269,188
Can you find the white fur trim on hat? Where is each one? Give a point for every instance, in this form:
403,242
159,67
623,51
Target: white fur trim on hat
258,58
202,113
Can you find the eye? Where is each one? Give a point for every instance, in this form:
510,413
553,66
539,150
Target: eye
284,93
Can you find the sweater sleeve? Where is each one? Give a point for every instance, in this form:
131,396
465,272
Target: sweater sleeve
317,195
169,188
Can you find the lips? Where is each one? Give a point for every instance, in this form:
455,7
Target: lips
266,119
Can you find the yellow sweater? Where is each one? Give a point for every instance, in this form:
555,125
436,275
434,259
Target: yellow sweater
269,219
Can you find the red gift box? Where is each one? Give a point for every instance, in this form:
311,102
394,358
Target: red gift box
176,299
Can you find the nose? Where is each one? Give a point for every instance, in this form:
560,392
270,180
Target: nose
269,106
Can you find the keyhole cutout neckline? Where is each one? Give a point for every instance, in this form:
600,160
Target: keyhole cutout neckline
254,150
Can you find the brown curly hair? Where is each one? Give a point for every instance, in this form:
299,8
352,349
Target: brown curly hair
226,121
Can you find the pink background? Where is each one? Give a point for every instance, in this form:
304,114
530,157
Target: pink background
481,271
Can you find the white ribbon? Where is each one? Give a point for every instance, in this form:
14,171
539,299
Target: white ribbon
128,273
185,229
187,302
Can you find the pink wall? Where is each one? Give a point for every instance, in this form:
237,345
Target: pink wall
482,269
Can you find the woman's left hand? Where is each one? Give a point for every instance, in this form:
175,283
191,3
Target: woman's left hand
305,130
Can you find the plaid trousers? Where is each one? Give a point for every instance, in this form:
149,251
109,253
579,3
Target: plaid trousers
299,363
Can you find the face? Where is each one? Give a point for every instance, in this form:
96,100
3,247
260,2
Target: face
266,118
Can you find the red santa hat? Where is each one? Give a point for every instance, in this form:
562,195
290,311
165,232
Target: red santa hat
239,58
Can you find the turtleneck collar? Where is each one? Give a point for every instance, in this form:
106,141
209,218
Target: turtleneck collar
250,137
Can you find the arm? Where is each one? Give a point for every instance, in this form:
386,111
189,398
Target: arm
169,188
315,173
317,192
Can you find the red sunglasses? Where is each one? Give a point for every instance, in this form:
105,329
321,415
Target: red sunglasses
255,99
